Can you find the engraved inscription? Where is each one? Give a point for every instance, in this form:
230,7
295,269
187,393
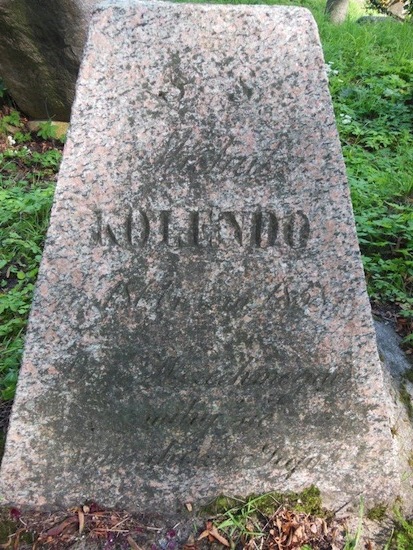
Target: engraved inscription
199,229
174,452
132,295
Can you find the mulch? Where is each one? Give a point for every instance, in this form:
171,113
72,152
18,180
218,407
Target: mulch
90,527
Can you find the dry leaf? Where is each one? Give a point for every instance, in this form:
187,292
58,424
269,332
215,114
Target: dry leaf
133,544
249,526
81,517
60,528
299,533
203,534
325,528
214,532
190,544
188,506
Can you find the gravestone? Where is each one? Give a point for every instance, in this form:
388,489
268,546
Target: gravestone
201,324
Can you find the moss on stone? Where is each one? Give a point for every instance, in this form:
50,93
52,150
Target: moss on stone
377,513
220,505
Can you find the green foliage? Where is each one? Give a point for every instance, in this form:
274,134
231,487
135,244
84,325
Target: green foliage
243,517
308,502
24,210
403,534
13,119
371,81
353,541
47,130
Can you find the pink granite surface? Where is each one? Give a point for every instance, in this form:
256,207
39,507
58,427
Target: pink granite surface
201,324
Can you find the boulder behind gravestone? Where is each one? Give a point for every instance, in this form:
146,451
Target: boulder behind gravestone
201,324
41,45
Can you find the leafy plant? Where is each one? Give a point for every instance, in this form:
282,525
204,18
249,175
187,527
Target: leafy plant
13,119
242,520
24,210
374,111
47,130
403,534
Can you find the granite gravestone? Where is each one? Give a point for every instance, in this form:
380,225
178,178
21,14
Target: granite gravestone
201,324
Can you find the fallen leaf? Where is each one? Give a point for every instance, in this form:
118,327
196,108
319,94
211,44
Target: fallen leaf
81,517
204,534
190,544
188,506
249,526
214,532
60,528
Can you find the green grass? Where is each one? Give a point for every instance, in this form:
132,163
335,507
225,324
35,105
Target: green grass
26,194
371,80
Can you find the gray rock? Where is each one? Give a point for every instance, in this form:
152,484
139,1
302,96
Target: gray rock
391,353
41,45
369,19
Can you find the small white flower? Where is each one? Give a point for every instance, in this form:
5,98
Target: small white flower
11,141
345,119
330,70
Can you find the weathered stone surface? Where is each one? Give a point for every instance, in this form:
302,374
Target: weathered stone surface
201,323
41,45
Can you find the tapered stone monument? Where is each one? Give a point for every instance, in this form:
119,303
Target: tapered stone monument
201,324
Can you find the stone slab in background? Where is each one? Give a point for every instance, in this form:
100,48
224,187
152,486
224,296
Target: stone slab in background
201,324
41,45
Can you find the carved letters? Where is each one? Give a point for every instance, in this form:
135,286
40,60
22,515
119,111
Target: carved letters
201,229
